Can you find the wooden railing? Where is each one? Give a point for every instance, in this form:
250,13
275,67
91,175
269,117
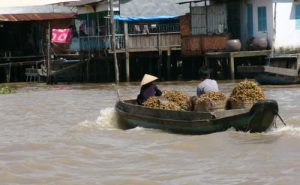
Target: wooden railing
154,41
149,41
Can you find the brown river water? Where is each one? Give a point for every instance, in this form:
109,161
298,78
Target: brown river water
69,135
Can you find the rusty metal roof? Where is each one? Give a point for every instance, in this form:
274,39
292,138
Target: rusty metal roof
31,13
85,2
23,3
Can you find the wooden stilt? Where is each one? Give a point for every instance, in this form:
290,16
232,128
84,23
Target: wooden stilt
88,70
231,61
113,32
206,61
169,64
49,68
159,56
8,73
127,52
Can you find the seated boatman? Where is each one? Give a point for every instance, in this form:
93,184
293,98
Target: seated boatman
206,85
148,89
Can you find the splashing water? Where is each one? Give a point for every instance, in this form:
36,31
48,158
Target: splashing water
288,130
108,120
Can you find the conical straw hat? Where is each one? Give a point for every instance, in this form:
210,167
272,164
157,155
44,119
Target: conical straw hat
147,79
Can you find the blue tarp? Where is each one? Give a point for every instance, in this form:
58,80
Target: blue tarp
154,18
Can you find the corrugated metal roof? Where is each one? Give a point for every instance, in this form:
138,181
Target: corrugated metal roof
36,16
145,8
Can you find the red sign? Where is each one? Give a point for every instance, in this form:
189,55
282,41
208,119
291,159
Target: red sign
62,35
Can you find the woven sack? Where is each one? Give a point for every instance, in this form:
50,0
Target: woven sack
210,106
241,104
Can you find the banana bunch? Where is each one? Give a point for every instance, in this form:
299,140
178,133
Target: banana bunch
247,91
152,102
179,98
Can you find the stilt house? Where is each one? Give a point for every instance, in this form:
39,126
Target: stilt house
25,35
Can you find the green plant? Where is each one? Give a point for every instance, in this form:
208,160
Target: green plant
6,90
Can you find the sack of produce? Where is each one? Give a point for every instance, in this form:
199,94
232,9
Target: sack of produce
240,104
245,94
211,102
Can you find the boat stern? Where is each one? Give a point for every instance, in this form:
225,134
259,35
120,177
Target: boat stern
264,114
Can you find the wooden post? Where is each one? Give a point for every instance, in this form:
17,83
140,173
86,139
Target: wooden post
169,63
231,67
107,67
113,42
206,18
274,30
205,60
8,73
88,69
159,56
127,52
49,75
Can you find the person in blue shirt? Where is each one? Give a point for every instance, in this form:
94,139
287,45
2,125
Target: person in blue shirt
148,89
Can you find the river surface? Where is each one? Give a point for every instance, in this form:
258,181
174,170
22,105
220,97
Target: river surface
69,135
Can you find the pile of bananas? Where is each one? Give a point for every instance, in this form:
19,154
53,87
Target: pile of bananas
212,96
170,100
159,103
152,102
179,98
247,91
170,106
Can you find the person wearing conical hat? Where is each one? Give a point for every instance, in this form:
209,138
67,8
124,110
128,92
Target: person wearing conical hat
148,88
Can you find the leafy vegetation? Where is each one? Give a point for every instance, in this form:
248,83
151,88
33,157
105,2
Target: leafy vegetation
6,90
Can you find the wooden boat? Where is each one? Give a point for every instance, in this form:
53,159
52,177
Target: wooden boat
279,69
257,119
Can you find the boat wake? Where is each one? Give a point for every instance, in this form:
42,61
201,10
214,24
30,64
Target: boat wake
106,121
288,130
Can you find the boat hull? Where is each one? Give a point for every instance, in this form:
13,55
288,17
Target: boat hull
257,119
279,70
269,79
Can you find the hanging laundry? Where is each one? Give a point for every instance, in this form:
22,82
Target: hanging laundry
62,35
137,28
146,29
78,24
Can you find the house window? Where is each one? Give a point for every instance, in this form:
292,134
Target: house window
262,18
297,16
